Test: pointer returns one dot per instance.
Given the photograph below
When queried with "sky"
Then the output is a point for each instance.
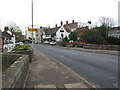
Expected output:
(51, 12)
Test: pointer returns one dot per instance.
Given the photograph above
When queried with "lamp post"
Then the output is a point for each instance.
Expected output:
(32, 23)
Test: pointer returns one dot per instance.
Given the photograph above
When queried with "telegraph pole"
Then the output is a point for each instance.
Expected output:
(32, 23)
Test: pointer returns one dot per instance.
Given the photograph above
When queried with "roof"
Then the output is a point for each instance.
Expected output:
(81, 29)
(51, 31)
(70, 26)
(6, 35)
(115, 28)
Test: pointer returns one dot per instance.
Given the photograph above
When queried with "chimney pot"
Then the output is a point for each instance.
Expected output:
(89, 22)
(40, 27)
(66, 22)
(73, 21)
(56, 25)
(49, 28)
(61, 23)
(6, 28)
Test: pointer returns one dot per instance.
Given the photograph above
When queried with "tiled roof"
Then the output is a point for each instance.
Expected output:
(51, 31)
(70, 26)
(81, 29)
(6, 34)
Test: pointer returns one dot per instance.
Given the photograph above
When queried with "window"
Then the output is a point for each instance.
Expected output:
(61, 30)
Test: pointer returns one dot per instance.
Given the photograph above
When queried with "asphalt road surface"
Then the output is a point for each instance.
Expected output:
(101, 70)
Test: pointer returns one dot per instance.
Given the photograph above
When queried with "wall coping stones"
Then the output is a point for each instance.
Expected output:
(11, 77)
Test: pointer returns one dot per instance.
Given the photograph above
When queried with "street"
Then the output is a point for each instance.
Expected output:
(101, 70)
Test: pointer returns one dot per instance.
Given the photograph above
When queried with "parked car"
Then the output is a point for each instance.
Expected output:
(46, 42)
(52, 43)
(26, 42)
(35, 42)
(19, 43)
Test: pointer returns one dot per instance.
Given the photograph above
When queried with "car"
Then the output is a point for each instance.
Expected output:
(35, 42)
(46, 42)
(19, 43)
(52, 43)
(26, 42)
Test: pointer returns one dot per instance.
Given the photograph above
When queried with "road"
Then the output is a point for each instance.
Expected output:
(101, 70)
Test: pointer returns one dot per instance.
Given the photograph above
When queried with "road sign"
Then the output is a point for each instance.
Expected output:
(32, 29)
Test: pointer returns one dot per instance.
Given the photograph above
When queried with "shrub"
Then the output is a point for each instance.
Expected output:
(73, 36)
(63, 43)
(113, 40)
(92, 36)
(21, 47)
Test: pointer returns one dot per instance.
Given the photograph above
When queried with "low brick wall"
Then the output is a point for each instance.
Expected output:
(15, 75)
(102, 47)
(28, 52)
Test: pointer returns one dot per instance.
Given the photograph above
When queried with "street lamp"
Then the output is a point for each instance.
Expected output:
(32, 23)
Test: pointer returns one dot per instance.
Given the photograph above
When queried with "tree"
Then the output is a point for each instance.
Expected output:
(13, 27)
(106, 21)
(103, 30)
(64, 42)
(73, 36)
(18, 36)
(113, 40)
(92, 36)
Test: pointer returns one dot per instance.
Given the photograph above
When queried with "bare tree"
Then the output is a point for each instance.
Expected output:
(106, 21)
(13, 27)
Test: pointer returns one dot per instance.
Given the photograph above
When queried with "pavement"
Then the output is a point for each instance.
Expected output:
(47, 72)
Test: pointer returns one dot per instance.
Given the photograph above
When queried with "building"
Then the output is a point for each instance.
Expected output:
(80, 31)
(71, 26)
(1, 41)
(114, 31)
(61, 33)
(29, 35)
(39, 33)
(54, 34)
(8, 40)
(119, 13)
(88, 24)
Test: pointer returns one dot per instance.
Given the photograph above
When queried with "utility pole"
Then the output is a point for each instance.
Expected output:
(32, 23)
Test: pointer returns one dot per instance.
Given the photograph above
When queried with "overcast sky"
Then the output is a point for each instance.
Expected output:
(51, 12)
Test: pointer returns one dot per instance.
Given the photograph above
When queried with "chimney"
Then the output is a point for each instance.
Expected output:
(73, 21)
(49, 28)
(56, 25)
(67, 22)
(89, 22)
(61, 23)
(40, 27)
(6, 28)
